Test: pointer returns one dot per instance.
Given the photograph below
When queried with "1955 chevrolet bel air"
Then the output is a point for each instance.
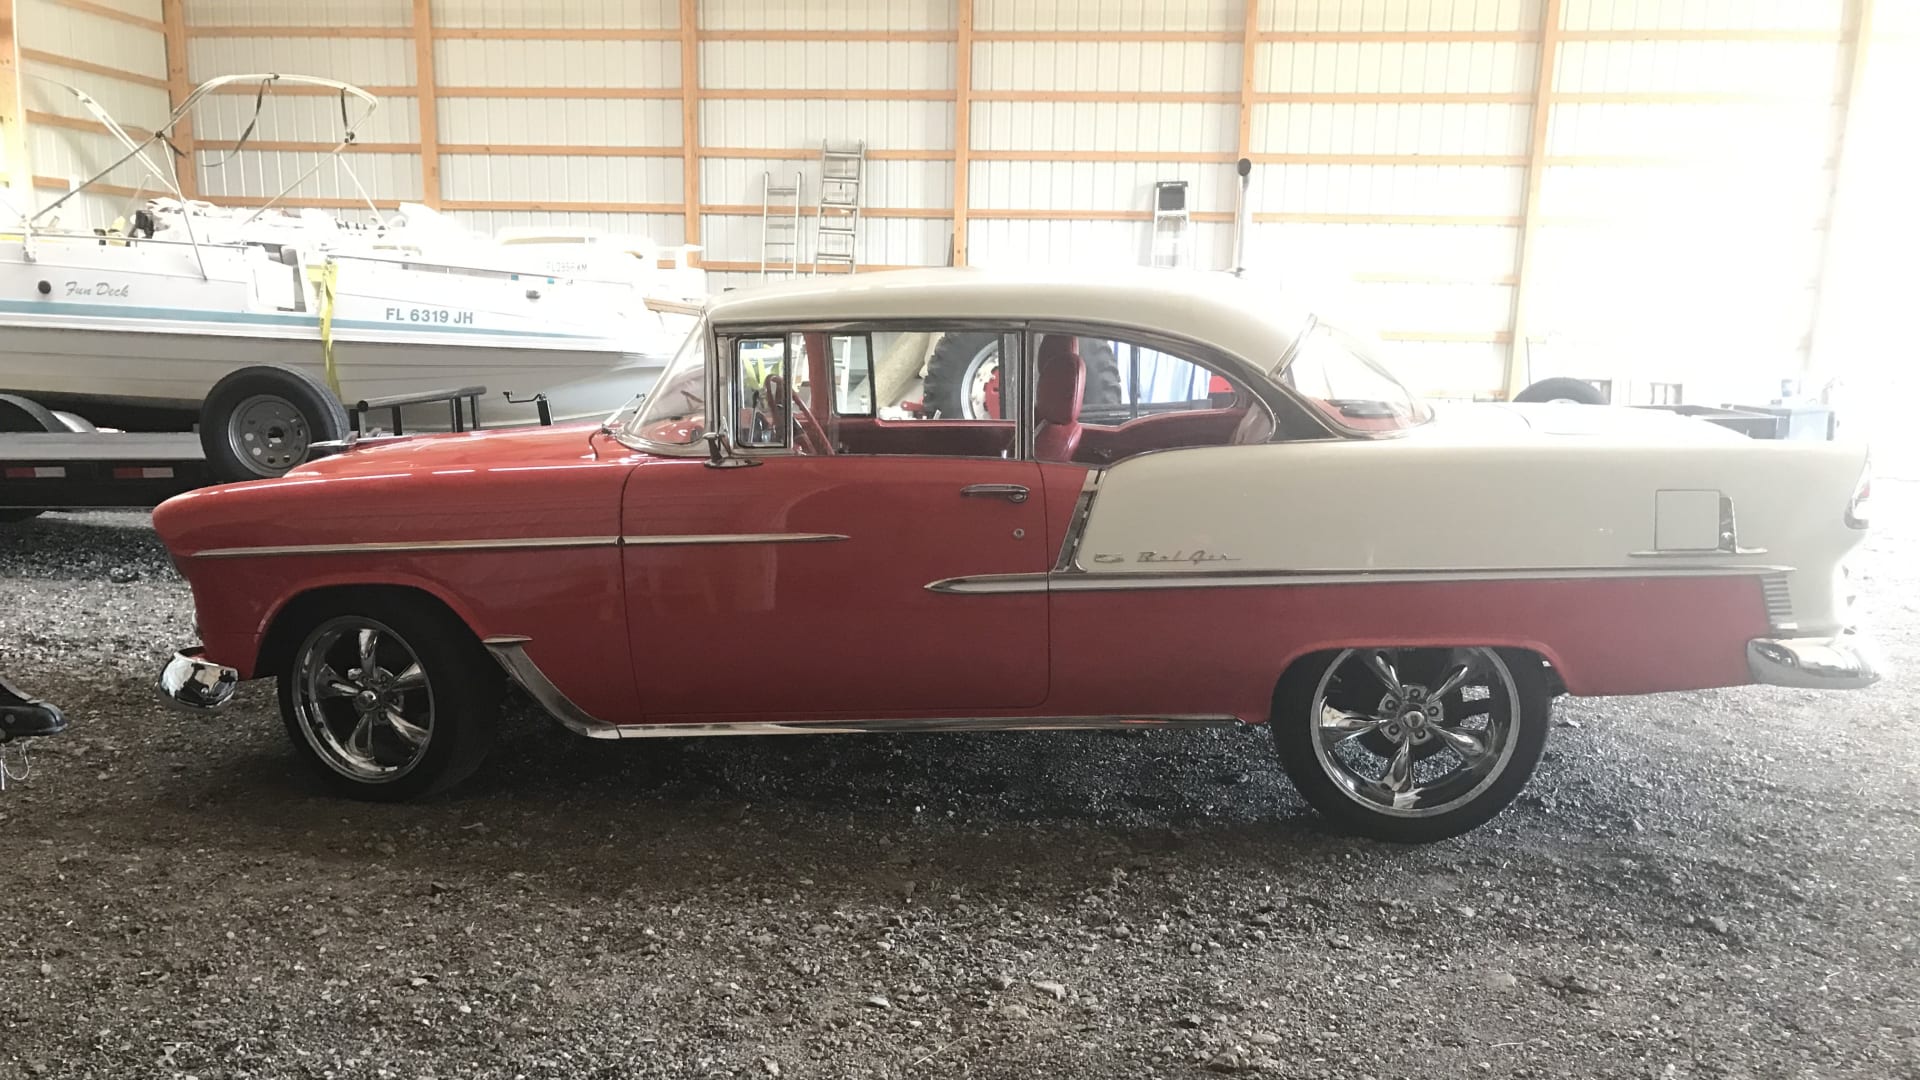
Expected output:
(1141, 499)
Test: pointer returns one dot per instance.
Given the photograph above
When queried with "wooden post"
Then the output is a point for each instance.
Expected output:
(962, 124)
(1858, 38)
(1249, 69)
(173, 17)
(690, 122)
(424, 86)
(13, 115)
(1543, 96)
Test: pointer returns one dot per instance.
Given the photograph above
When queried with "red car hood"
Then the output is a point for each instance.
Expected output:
(470, 450)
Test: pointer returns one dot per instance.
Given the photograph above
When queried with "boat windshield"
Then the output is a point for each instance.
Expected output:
(1355, 390)
(675, 413)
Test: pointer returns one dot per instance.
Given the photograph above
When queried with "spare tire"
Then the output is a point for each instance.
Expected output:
(1577, 391)
(20, 414)
(259, 422)
(958, 359)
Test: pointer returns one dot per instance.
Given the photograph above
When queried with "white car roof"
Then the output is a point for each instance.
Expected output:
(1234, 315)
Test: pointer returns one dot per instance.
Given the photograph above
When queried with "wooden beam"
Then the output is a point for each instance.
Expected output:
(823, 94)
(173, 16)
(1203, 157)
(13, 116)
(298, 203)
(1164, 96)
(600, 92)
(204, 31)
(938, 213)
(287, 146)
(1306, 217)
(61, 183)
(1249, 74)
(1102, 36)
(1395, 36)
(1390, 159)
(690, 93)
(1415, 98)
(75, 123)
(531, 33)
(560, 150)
(105, 12)
(827, 35)
(103, 70)
(1858, 40)
(429, 108)
(962, 126)
(252, 88)
(1515, 377)
(562, 207)
(801, 153)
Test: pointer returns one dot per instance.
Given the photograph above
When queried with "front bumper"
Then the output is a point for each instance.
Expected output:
(1845, 661)
(189, 682)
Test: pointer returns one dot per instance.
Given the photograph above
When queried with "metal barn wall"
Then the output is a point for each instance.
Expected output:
(114, 51)
(1589, 178)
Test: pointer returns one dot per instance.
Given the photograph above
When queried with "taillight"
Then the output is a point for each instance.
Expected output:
(1857, 506)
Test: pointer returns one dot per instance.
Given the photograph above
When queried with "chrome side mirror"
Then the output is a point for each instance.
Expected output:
(720, 453)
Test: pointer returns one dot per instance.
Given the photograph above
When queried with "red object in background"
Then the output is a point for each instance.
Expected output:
(992, 404)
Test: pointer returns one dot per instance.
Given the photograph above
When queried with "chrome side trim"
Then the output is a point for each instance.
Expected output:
(1779, 598)
(511, 544)
(392, 546)
(510, 651)
(731, 538)
(1083, 581)
(1845, 661)
(920, 724)
(1069, 561)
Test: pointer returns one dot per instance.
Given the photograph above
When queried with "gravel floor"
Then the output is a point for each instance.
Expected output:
(1697, 885)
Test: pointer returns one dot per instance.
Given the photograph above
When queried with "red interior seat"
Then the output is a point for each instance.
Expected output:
(1058, 389)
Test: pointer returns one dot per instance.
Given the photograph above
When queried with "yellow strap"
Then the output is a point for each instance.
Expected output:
(323, 277)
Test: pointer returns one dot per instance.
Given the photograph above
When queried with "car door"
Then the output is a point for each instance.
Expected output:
(797, 585)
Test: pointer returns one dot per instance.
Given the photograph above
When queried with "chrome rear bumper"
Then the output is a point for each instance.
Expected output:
(188, 682)
(1845, 661)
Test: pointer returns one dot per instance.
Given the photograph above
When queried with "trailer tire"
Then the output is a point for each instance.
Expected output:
(1577, 391)
(20, 414)
(259, 422)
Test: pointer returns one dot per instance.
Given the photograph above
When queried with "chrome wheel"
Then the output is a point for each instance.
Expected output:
(362, 700)
(1415, 732)
(268, 434)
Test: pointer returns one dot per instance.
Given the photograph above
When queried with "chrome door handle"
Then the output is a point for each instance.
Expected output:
(1013, 493)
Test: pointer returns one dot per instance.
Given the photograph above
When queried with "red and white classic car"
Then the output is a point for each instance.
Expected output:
(1238, 518)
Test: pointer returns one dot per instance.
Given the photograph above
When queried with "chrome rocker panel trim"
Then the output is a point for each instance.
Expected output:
(1096, 581)
(1845, 661)
(196, 685)
(511, 652)
(390, 547)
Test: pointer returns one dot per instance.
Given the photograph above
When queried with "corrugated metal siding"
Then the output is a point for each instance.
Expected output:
(1683, 215)
(71, 154)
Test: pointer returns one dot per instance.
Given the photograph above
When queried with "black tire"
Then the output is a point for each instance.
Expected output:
(20, 414)
(277, 413)
(1295, 730)
(944, 393)
(1578, 391)
(462, 688)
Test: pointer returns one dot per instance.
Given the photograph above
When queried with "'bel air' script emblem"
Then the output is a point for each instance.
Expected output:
(1190, 558)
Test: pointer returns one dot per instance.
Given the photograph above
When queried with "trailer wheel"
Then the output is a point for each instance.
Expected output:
(259, 422)
(22, 414)
(1577, 391)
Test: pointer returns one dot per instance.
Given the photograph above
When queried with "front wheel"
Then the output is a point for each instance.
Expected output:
(389, 697)
(1412, 745)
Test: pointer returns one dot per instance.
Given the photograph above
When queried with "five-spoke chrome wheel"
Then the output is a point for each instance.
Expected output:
(362, 699)
(1418, 741)
(1412, 743)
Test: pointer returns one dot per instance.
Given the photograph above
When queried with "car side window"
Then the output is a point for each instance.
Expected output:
(913, 391)
(760, 392)
(1133, 398)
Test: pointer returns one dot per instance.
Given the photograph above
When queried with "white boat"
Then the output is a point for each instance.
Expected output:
(154, 314)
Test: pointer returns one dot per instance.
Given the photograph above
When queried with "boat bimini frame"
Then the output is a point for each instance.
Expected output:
(170, 177)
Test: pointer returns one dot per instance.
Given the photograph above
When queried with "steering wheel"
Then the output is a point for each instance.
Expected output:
(807, 432)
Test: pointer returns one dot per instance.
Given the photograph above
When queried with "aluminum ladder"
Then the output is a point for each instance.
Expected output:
(1170, 223)
(836, 226)
(780, 225)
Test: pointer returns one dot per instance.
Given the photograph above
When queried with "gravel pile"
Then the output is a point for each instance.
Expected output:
(1710, 885)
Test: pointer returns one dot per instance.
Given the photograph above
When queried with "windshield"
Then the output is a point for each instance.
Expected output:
(1353, 389)
(675, 412)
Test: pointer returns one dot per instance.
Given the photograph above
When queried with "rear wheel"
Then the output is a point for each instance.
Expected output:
(1412, 745)
(389, 697)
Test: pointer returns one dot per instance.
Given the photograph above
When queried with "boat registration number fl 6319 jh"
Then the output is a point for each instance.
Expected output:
(430, 315)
